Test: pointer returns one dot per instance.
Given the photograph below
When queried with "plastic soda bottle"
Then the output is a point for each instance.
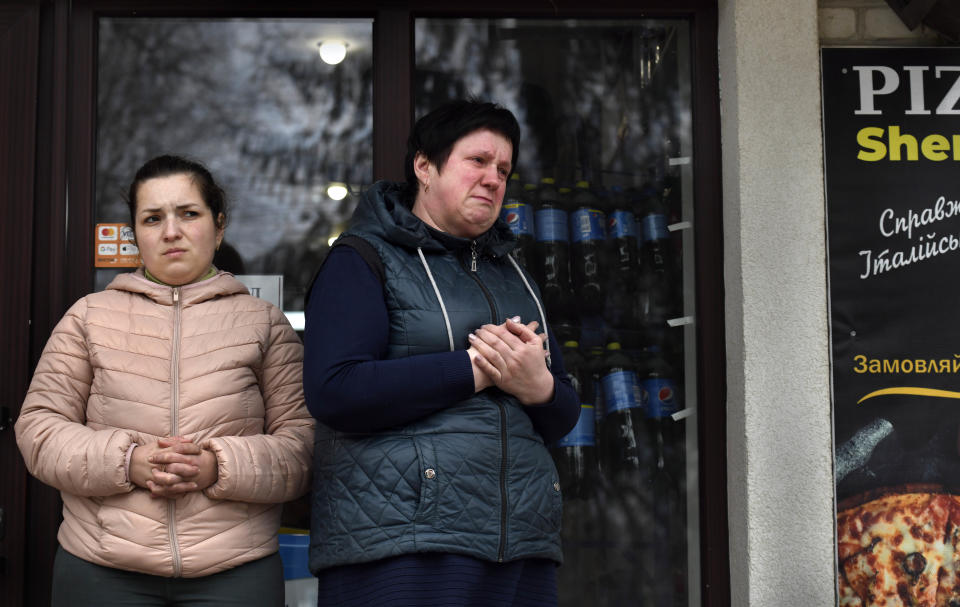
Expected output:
(553, 249)
(517, 212)
(576, 459)
(588, 238)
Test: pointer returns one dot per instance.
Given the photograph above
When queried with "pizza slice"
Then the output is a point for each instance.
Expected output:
(891, 549)
(948, 584)
(848, 598)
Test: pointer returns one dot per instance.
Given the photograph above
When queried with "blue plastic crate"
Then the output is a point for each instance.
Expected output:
(293, 553)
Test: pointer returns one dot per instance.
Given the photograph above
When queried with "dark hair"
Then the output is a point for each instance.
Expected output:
(167, 165)
(435, 134)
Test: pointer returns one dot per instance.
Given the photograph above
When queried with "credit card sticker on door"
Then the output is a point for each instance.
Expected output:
(114, 246)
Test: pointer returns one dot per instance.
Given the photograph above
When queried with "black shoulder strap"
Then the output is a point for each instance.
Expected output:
(366, 251)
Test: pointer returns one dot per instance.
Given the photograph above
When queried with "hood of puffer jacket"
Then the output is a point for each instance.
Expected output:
(219, 285)
(384, 211)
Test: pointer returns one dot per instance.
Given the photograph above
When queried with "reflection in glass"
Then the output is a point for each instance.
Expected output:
(602, 207)
(253, 101)
(597, 100)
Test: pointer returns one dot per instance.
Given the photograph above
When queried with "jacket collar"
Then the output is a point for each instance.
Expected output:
(384, 209)
(222, 283)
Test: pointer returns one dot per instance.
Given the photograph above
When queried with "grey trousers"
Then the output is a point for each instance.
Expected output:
(80, 583)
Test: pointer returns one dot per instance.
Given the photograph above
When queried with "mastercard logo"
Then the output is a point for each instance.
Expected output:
(108, 232)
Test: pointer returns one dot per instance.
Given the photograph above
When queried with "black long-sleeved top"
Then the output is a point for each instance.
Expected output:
(351, 388)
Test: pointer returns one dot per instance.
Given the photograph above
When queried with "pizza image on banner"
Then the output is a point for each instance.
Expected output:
(900, 549)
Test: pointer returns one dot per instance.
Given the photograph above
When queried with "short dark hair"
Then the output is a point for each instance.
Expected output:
(167, 165)
(435, 134)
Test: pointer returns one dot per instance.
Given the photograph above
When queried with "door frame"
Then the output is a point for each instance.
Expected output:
(55, 191)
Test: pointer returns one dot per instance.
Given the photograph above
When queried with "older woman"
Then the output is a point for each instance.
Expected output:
(168, 410)
(433, 485)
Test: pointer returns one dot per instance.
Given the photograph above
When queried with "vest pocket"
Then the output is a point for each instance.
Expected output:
(377, 481)
(461, 480)
(540, 508)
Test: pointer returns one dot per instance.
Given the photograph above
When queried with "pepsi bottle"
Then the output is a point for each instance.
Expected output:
(625, 463)
(656, 249)
(594, 371)
(659, 388)
(622, 234)
(517, 212)
(622, 432)
(576, 459)
(576, 453)
(623, 267)
(666, 476)
(552, 250)
(587, 240)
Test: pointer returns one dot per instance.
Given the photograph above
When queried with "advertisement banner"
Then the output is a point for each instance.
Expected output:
(891, 123)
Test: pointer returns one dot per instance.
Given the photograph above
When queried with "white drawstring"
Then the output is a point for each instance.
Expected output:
(543, 317)
(526, 283)
(443, 308)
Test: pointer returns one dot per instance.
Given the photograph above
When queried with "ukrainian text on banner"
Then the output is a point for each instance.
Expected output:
(892, 177)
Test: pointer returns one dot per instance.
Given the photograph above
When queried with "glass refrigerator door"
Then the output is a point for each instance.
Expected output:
(602, 206)
(285, 128)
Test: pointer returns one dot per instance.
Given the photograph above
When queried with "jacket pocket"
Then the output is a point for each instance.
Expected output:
(537, 501)
(461, 478)
(375, 482)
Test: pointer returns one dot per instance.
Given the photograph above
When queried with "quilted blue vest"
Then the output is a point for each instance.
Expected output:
(473, 479)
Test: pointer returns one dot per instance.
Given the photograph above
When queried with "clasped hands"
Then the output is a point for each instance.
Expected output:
(172, 467)
(511, 356)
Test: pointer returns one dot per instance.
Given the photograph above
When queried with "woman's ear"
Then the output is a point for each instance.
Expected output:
(421, 167)
(221, 224)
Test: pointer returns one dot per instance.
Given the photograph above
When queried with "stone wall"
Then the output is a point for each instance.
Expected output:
(779, 443)
(869, 23)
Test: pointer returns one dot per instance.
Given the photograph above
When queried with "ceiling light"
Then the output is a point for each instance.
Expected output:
(332, 51)
(337, 191)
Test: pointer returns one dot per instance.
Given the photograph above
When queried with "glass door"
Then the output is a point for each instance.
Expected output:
(602, 205)
(285, 126)
(121, 82)
(602, 202)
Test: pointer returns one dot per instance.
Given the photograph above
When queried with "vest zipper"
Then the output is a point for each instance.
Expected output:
(503, 414)
(174, 427)
(473, 274)
(503, 482)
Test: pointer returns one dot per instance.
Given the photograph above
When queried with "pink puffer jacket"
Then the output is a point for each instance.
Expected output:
(140, 361)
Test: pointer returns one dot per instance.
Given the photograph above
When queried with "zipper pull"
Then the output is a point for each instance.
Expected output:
(473, 256)
(176, 295)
